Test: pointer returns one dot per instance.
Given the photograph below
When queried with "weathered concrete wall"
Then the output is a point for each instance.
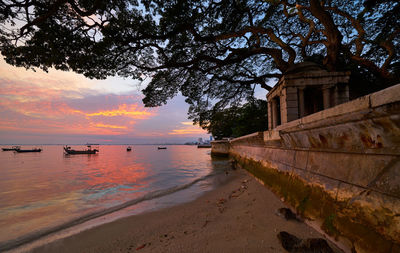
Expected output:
(255, 139)
(220, 148)
(339, 167)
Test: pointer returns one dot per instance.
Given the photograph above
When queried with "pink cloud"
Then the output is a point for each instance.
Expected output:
(30, 108)
(60, 103)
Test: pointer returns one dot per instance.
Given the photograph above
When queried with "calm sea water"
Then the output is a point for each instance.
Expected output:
(49, 191)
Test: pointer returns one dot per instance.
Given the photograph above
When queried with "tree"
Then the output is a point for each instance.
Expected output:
(214, 52)
(238, 121)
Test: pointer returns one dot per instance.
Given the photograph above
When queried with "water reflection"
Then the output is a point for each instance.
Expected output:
(42, 190)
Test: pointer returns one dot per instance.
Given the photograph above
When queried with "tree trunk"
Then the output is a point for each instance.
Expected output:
(333, 36)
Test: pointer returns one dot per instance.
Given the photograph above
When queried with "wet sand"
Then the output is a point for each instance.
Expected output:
(239, 216)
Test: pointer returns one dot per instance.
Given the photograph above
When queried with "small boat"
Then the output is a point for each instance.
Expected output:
(162, 147)
(68, 150)
(28, 150)
(13, 148)
(129, 148)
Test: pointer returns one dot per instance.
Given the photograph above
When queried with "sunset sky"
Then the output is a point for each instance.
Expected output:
(66, 108)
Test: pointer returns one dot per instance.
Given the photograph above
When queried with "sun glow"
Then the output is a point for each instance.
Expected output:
(188, 129)
(131, 111)
(110, 126)
(187, 123)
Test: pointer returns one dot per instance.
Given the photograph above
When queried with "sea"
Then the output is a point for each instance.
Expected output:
(49, 195)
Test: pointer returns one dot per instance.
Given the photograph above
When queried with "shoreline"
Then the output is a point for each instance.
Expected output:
(238, 216)
(150, 202)
(126, 209)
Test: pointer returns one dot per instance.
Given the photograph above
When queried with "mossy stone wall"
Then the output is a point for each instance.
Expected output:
(356, 222)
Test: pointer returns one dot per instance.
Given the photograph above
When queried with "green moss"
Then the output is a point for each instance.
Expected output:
(313, 202)
(362, 236)
(329, 225)
(303, 205)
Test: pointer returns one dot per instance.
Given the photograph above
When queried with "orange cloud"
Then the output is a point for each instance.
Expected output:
(187, 123)
(131, 111)
(110, 126)
(188, 129)
(62, 128)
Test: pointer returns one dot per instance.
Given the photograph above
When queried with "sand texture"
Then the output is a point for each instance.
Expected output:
(239, 216)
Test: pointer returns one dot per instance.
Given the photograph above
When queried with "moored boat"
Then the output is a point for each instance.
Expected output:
(162, 147)
(28, 150)
(13, 148)
(68, 150)
(129, 148)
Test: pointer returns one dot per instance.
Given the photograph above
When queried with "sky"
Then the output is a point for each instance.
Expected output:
(66, 108)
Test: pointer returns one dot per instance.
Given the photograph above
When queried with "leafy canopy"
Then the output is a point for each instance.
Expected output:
(238, 121)
(214, 52)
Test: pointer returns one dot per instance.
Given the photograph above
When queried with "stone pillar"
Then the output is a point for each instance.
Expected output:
(291, 106)
(336, 96)
(326, 96)
(343, 94)
(302, 110)
(269, 115)
(283, 106)
(274, 113)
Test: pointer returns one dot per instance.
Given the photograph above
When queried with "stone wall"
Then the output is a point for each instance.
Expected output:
(339, 168)
(220, 148)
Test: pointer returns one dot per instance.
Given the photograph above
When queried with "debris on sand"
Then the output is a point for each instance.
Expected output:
(293, 244)
(141, 247)
(288, 214)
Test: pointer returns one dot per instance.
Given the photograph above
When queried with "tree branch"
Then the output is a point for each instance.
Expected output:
(331, 32)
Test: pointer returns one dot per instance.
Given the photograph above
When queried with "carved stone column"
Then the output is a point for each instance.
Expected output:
(326, 96)
(336, 96)
(274, 113)
(270, 118)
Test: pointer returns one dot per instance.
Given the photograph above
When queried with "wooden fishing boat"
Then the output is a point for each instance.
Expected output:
(68, 150)
(13, 148)
(28, 150)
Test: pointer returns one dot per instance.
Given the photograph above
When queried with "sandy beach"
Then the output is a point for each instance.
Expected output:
(239, 216)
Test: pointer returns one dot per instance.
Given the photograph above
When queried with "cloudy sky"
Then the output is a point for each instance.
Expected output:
(66, 108)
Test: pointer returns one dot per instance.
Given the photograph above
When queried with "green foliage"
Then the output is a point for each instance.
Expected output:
(238, 121)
